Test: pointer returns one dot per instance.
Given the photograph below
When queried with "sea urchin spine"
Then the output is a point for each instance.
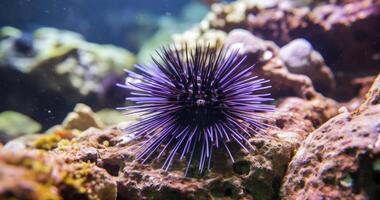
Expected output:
(194, 100)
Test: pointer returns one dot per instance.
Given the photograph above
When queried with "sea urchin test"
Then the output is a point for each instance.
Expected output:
(193, 101)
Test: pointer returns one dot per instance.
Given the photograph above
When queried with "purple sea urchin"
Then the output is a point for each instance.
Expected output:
(194, 100)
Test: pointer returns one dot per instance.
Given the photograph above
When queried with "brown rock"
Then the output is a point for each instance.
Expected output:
(340, 159)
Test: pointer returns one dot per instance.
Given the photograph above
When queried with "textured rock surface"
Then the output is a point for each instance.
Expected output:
(340, 159)
(265, 54)
(255, 175)
(34, 174)
(354, 55)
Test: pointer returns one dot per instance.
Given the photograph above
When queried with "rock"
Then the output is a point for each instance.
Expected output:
(14, 124)
(256, 48)
(296, 117)
(82, 118)
(339, 159)
(60, 69)
(77, 121)
(296, 55)
(136, 181)
(254, 175)
(354, 22)
(362, 86)
(35, 174)
(300, 58)
(230, 16)
(265, 55)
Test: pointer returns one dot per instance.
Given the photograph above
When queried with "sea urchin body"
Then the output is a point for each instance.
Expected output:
(192, 101)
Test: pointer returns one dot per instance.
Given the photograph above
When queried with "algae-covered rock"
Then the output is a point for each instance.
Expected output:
(34, 166)
(111, 117)
(53, 44)
(76, 64)
(54, 69)
(14, 124)
(80, 119)
(35, 175)
(50, 140)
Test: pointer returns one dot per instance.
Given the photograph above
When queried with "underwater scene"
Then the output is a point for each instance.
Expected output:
(189, 99)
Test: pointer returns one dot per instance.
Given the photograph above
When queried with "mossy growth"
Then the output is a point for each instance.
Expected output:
(77, 176)
(66, 179)
(50, 141)
(37, 166)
